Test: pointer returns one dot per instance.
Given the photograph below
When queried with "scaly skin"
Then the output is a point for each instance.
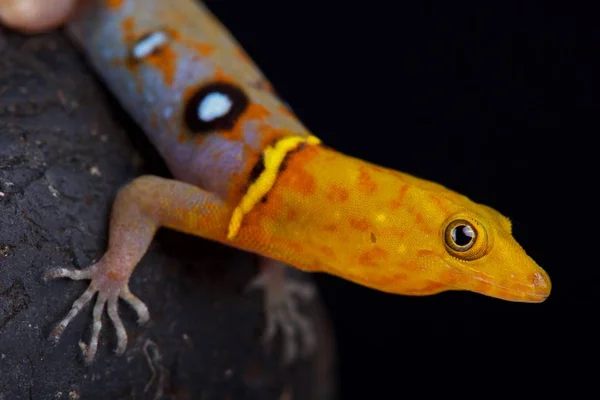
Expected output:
(263, 183)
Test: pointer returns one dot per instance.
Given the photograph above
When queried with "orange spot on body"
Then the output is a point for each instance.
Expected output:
(242, 55)
(285, 111)
(396, 203)
(114, 4)
(204, 49)
(127, 27)
(165, 61)
(222, 76)
(366, 184)
(362, 224)
(337, 193)
(372, 257)
(254, 112)
(262, 84)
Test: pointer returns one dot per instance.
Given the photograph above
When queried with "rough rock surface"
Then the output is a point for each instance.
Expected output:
(65, 149)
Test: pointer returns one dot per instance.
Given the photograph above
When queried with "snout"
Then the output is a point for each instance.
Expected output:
(532, 288)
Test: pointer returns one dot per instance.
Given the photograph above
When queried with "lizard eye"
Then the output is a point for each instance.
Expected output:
(215, 106)
(462, 235)
(466, 240)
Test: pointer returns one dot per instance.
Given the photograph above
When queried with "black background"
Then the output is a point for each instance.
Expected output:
(493, 101)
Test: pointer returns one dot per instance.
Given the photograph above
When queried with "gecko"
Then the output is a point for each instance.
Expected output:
(247, 173)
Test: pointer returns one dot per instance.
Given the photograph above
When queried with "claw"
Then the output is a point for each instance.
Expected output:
(77, 306)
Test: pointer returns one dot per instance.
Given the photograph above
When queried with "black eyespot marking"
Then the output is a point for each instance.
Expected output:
(216, 106)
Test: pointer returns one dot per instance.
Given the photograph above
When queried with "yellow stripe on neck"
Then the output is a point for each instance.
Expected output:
(273, 156)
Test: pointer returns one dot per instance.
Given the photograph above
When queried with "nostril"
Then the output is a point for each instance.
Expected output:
(539, 281)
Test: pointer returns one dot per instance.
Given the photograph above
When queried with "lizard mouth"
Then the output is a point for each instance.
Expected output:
(540, 288)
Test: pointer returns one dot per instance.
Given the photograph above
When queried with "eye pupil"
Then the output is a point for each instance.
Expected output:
(463, 235)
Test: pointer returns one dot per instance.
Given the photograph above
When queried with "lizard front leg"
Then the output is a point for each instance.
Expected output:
(281, 295)
(139, 209)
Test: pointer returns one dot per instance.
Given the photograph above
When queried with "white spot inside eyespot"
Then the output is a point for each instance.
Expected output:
(214, 105)
(149, 44)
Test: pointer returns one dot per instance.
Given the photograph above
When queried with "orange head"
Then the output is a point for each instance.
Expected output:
(437, 240)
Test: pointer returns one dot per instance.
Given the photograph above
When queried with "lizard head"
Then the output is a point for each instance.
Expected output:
(458, 244)
(476, 244)
(427, 239)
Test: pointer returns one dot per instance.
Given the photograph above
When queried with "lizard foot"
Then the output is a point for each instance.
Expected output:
(110, 287)
(281, 295)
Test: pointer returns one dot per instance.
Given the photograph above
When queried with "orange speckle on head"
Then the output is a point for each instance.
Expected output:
(366, 184)
(397, 232)
(409, 266)
(422, 223)
(337, 194)
(328, 251)
(114, 4)
(330, 228)
(362, 224)
(396, 203)
(372, 257)
(300, 181)
(424, 253)
(442, 206)
(291, 215)
(294, 246)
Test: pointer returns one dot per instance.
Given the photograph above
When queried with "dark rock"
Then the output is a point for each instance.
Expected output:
(63, 156)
